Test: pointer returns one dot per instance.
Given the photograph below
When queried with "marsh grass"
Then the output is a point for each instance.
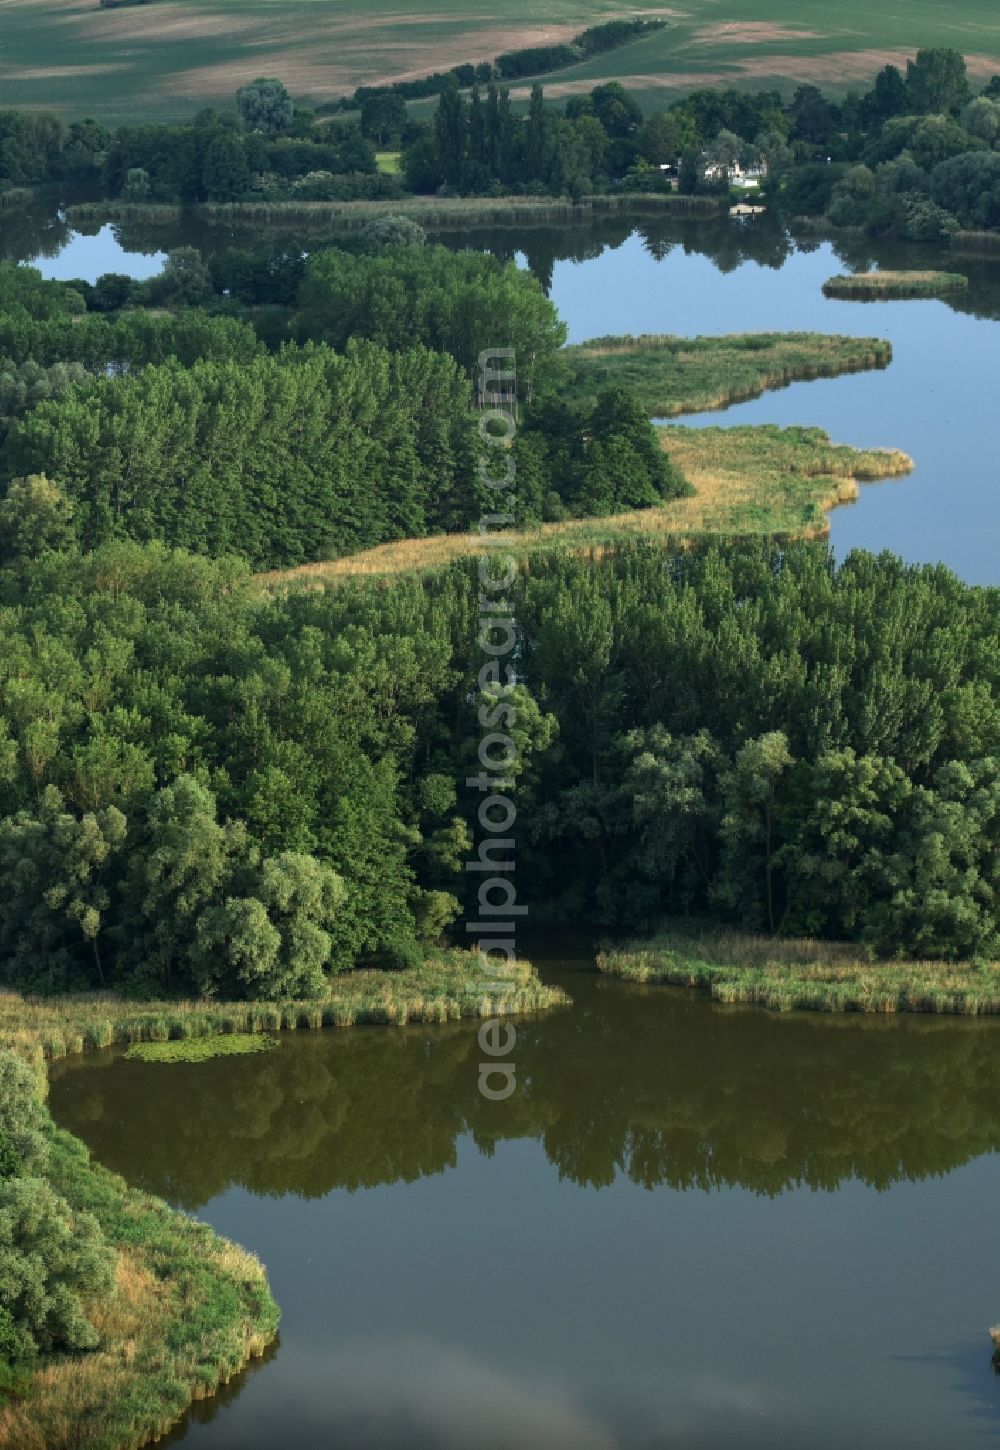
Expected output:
(448, 986)
(747, 481)
(444, 211)
(191, 1308)
(886, 286)
(672, 375)
(200, 1049)
(787, 974)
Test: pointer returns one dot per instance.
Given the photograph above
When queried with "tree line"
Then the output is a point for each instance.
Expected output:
(914, 156)
(203, 788)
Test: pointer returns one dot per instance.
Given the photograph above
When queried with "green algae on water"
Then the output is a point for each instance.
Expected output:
(200, 1049)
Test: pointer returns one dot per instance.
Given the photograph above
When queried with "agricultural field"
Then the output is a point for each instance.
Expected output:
(169, 58)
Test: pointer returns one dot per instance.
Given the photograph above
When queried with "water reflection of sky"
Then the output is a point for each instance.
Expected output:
(90, 257)
(937, 401)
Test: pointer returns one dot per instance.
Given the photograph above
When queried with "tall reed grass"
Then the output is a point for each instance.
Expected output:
(448, 986)
(800, 974)
(674, 375)
(886, 286)
(441, 211)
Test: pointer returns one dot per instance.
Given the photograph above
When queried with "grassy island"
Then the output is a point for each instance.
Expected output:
(787, 974)
(750, 481)
(890, 286)
(672, 375)
(190, 1309)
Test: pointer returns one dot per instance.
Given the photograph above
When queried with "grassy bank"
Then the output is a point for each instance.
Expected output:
(192, 1309)
(788, 974)
(449, 986)
(746, 481)
(887, 286)
(429, 211)
(672, 375)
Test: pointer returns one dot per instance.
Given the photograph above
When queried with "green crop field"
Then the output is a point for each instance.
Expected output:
(171, 57)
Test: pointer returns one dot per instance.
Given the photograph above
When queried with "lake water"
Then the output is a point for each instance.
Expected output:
(937, 401)
(691, 1225)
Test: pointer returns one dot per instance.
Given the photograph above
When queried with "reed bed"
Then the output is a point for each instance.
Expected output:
(672, 375)
(747, 481)
(450, 985)
(888, 286)
(125, 211)
(193, 1309)
(801, 974)
(442, 211)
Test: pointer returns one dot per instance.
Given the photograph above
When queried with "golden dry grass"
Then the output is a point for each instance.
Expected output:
(763, 480)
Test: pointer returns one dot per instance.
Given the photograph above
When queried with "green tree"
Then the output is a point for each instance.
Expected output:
(749, 829)
(451, 134)
(383, 116)
(265, 106)
(50, 1259)
(35, 516)
(225, 171)
(937, 83)
(56, 878)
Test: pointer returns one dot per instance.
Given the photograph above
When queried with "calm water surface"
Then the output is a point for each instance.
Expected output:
(937, 401)
(691, 1225)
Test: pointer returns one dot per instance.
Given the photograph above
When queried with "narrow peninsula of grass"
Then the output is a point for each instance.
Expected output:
(887, 286)
(747, 481)
(200, 1049)
(672, 375)
(786, 974)
(191, 1308)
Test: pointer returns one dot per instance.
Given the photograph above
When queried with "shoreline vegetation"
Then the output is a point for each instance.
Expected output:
(890, 286)
(428, 211)
(191, 1309)
(755, 480)
(674, 375)
(800, 974)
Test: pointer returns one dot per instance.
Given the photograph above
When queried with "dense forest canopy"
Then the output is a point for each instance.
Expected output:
(182, 427)
(194, 775)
